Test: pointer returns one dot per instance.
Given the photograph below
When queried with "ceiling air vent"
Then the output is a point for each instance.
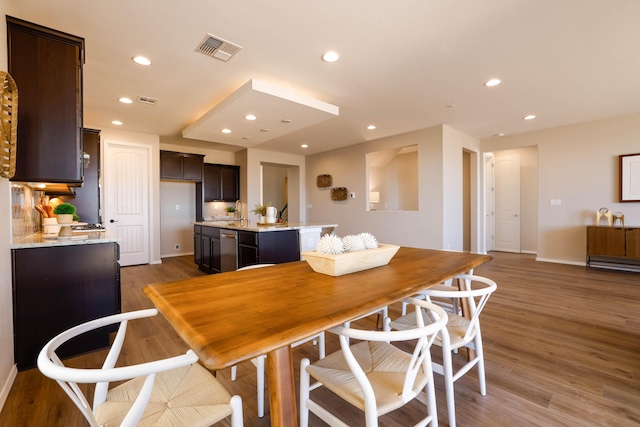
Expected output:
(147, 100)
(217, 48)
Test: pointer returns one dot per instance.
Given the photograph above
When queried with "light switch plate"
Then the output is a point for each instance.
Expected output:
(555, 202)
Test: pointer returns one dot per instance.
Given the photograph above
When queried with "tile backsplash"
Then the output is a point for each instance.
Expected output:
(24, 216)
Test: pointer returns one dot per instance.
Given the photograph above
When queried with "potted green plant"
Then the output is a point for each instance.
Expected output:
(64, 213)
(231, 211)
(261, 211)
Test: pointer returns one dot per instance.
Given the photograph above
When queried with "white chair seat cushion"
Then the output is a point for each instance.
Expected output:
(456, 326)
(187, 396)
(385, 366)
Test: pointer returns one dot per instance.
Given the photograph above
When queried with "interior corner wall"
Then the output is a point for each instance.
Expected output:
(578, 165)
(296, 173)
(423, 228)
(455, 144)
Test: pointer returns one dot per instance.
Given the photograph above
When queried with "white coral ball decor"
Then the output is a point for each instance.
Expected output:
(368, 240)
(353, 243)
(330, 244)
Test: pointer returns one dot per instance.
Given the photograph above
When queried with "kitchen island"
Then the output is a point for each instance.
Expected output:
(221, 245)
(58, 284)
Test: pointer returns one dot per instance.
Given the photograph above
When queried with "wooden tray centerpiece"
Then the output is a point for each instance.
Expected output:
(350, 262)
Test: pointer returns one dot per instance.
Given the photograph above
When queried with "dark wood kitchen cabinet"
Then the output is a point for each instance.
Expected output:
(87, 197)
(56, 288)
(269, 247)
(47, 67)
(206, 243)
(181, 166)
(221, 183)
(614, 248)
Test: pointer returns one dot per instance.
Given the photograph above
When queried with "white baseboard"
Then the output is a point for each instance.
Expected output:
(562, 261)
(529, 252)
(174, 255)
(6, 388)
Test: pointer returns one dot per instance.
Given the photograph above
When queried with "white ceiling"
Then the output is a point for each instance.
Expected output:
(402, 62)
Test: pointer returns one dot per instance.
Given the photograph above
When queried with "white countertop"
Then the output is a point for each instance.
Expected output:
(41, 240)
(248, 225)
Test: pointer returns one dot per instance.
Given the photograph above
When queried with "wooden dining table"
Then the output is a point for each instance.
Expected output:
(231, 317)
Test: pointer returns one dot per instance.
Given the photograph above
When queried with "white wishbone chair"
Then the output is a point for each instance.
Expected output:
(374, 375)
(175, 391)
(461, 331)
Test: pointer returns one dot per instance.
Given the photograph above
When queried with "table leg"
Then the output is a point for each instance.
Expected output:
(282, 393)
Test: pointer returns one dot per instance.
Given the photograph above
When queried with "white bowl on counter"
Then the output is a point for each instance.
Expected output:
(50, 225)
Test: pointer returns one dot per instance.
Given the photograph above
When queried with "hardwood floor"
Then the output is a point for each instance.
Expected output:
(562, 348)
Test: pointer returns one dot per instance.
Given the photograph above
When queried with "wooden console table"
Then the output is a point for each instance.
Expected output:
(613, 248)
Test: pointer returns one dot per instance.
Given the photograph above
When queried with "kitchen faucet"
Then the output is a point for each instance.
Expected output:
(239, 209)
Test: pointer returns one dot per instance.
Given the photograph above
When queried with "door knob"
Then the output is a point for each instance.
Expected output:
(112, 221)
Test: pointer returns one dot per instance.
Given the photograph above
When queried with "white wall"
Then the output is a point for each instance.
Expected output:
(438, 221)
(176, 225)
(273, 183)
(577, 164)
(252, 158)
(177, 214)
(7, 366)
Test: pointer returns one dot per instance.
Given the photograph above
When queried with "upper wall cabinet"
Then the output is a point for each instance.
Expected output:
(47, 67)
(221, 183)
(181, 166)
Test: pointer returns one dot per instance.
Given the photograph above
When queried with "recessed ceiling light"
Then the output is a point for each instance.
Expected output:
(246, 137)
(264, 130)
(285, 121)
(529, 117)
(226, 130)
(250, 117)
(371, 127)
(451, 105)
(497, 135)
(493, 82)
(304, 146)
(116, 122)
(330, 56)
(125, 100)
(141, 60)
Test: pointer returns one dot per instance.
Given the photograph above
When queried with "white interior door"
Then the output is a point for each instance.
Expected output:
(126, 201)
(489, 205)
(507, 203)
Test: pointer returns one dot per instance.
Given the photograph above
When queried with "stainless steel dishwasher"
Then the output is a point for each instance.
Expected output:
(228, 250)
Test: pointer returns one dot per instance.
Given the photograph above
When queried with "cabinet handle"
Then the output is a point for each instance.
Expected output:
(112, 221)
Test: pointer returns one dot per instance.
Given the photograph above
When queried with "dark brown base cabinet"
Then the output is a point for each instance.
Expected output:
(56, 288)
(206, 243)
(272, 247)
(613, 248)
